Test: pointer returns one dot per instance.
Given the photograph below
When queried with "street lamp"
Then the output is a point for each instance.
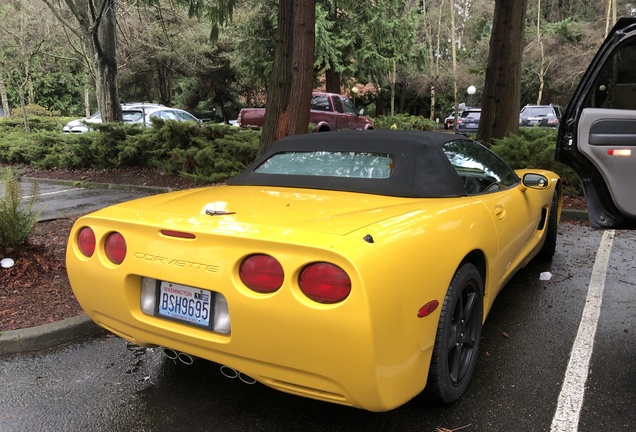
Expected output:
(354, 93)
(471, 91)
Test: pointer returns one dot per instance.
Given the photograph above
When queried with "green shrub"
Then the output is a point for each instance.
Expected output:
(534, 148)
(211, 152)
(16, 216)
(208, 153)
(404, 122)
(36, 123)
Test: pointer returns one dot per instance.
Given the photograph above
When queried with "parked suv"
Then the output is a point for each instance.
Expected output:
(468, 121)
(449, 121)
(541, 115)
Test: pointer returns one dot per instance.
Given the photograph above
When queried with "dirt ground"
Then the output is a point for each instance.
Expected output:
(36, 290)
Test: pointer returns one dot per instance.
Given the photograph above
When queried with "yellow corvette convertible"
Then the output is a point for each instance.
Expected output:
(349, 267)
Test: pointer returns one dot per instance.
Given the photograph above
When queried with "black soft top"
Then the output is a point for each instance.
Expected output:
(421, 169)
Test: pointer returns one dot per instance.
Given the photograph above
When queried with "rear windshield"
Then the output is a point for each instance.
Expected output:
(540, 112)
(330, 163)
(131, 116)
(471, 114)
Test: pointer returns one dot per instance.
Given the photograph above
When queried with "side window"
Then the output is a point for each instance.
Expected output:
(184, 116)
(168, 115)
(337, 104)
(320, 103)
(615, 86)
(481, 170)
(348, 106)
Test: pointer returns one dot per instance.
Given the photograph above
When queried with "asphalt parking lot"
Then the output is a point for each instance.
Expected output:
(56, 199)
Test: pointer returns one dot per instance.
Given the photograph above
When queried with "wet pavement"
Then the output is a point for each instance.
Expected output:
(57, 199)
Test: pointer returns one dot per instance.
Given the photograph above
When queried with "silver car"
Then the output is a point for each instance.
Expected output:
(134, 113)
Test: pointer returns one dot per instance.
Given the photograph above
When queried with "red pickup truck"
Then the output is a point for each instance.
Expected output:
(329, 112)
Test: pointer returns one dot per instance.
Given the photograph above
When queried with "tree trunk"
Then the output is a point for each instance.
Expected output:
(4, 98)
(432, 116)
(302, 65)
(542, 60)
(454, 59)
(87, 101)
(105, 48)
(332, 81)
(25, 117)
(501, 96)
(98, 32)
(164, 76)
(289, 92)
(393, 83)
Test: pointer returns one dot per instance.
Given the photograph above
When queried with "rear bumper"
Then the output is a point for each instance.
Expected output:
(351, 378)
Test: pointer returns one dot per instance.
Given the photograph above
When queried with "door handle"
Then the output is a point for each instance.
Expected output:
(500, 212)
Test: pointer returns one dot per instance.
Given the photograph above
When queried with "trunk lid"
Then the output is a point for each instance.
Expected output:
(245, 207)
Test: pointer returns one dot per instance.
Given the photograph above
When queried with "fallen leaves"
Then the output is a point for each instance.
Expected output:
(35, 290)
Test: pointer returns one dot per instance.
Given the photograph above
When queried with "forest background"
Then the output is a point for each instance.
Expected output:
(396, 54)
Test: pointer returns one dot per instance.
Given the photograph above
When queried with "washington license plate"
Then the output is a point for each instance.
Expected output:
(184, 303)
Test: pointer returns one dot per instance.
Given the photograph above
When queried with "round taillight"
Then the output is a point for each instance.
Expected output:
(115, 248)
(262, 273)
(86, 241)
(324, 283)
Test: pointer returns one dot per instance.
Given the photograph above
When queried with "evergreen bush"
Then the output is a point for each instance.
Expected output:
(16, 216)
(208, 153)
(404, 122)
(534, 148)
(212, 152)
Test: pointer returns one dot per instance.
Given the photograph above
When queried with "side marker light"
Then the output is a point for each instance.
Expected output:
(427, 309)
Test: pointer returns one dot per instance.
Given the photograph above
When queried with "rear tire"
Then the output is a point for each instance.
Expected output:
(458, 335)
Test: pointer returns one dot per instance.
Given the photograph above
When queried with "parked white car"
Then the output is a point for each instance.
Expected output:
(134, 113)
(82, 125)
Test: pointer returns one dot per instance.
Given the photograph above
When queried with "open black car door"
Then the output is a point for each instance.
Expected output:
(597, 137)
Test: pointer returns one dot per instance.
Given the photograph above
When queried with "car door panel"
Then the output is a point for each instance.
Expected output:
(598, 133)
(607, 138)
(515, 224)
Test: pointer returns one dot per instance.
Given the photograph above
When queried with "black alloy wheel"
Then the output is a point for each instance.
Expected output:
(458, 335)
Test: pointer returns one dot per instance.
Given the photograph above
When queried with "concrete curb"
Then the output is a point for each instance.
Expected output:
(568, 215)
(47, 335)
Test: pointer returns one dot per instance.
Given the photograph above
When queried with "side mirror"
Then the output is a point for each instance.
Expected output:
(361, 112)
(535, 181)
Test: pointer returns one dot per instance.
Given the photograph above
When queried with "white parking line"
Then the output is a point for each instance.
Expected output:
(52, 193)
(566, 418)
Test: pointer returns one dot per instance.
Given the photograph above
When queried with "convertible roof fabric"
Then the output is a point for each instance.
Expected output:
(421, 169)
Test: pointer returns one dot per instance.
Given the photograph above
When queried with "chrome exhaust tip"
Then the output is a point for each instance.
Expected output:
(186, 359)
(231, 373)
(170, 353)
(228, 372)
(246, 379)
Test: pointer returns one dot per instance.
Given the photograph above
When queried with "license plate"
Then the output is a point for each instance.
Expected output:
(184, 303)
